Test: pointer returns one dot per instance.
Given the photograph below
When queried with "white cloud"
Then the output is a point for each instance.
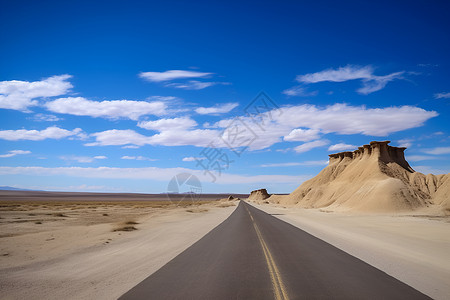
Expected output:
(377, 83)
(437, 150)
(82, 159)
(130, 147)
(191, 158)
(371, 83)
(431, 170)
(116, 137)
(20, 95)
(305, 163)
(45, 118)
(341, 74)
(299, 91)
(172, 75)
(150, 173)
(302, 135)
(114, 109)
(194, 84)
(442, 95)
(217, 109)
(342, 147)
(137, 158)
(338, 118)
(39, 135)
(14, 153)
(405, 143)
(181, 123)
(311, 145)
(346, 119)
(420, 157)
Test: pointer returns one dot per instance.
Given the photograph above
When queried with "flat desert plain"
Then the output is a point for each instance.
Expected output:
(95, 246)
(99, 246)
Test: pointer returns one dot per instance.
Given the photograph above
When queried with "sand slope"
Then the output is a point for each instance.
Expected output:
(374, 178)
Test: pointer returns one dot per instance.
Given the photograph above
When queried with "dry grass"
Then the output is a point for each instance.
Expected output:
(197, 210)
(125, 228)
(225, 204)
(60, 215)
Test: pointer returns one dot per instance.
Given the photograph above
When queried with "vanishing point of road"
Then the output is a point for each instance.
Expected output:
(253, 255)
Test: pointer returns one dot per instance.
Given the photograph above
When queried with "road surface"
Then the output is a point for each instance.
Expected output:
(253, 255)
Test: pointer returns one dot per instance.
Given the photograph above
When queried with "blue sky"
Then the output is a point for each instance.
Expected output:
(122, 96)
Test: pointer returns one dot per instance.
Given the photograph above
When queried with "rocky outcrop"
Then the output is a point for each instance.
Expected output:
(258, 195)
(231, 198)
(378, 150)
(374, 178)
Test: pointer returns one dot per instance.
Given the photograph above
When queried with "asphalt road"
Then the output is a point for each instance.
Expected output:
(253, 255)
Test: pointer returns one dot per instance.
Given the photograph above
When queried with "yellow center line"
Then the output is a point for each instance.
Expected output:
(278, 286)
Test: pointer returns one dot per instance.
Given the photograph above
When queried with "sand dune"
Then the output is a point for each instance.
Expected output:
(374, 178)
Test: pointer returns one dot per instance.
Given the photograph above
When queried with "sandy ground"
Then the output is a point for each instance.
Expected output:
(57, 250)
(413, 249)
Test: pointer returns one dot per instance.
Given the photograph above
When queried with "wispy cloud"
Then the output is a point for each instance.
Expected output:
(442, 95)
(191, 158)
(181, 123)
(437, 150)
(14, 153)
(217, 109)
(311, 145)
(20, 95)
(292, 164)
(138, 158)
(405, 143)
(341, 74)
(370, 82)
(302, 135)
(172, 75)
(420, 157)
(299, 91)
(39, 135)
(45, 118)
(82, 159)
(342, 147)
(194, 84)
(113, 109)
(431, 170)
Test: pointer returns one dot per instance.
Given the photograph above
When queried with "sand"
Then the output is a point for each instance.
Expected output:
(76, 254)
(413, 249)
(374, 178)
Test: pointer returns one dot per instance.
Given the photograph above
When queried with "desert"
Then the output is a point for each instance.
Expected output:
(217, 150)
(78, 246)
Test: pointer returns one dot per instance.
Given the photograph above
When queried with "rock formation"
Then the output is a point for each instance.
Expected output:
(258, 195)
(373, 178)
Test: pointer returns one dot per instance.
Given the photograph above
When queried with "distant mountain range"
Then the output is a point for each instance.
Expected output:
(10, 188)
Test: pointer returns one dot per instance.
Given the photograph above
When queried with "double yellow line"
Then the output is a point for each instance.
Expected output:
(277, 283)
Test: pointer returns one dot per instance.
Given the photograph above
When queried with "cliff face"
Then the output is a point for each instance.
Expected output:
(259, 195)
(375, 150)
(373, 178)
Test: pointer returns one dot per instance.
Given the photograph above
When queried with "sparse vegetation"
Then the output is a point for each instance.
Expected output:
(131, 223)
(197, 210)
(60, 215)
(226, 204)
(125, 228)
